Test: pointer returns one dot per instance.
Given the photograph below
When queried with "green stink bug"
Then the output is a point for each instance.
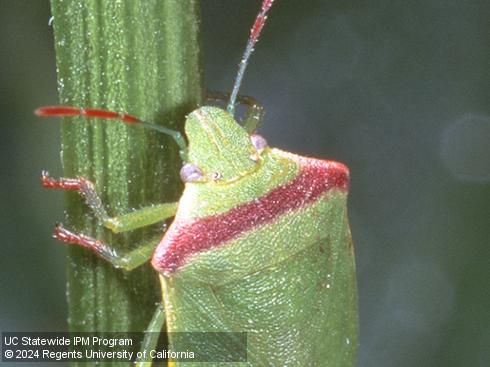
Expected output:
(260, 241)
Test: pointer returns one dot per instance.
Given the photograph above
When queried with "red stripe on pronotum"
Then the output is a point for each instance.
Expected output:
(186, 238)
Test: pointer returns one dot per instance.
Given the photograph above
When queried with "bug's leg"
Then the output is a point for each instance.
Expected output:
(152, 334)
(127, 261)
(126, 222)
(255, 111)
(216, 96)
(141, 217)
(254, 115)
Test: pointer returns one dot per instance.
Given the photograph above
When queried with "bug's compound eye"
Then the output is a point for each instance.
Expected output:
(216, 176)
(191, 173)
(259, 142)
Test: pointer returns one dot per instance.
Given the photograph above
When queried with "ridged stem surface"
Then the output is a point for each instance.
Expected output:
(142, 57)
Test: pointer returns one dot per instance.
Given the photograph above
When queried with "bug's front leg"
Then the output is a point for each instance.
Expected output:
(254, 115)
(136, 219)
(255, 111)
(122, 223)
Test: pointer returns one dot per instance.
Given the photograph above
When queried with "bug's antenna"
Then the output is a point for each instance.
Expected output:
(67, 111)
(252, 40)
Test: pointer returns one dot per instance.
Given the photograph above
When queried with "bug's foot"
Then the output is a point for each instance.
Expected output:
(64, 235)
(99, 247)
(79, 184)
(128, 261)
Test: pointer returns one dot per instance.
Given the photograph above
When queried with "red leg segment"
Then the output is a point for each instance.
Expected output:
(128, 261)
(85, 187)
(99, 247)
(62, 183)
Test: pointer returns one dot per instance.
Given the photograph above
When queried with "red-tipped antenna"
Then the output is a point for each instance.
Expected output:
(67, 111)
(63, 111)
(252, 40)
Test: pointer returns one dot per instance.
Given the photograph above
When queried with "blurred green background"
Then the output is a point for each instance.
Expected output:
(397, 90)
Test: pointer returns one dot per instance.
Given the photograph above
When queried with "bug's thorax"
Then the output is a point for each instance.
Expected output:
(210, 216)
(201, 199)
(218, 146)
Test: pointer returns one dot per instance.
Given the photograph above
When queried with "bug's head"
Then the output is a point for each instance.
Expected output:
(219, 148)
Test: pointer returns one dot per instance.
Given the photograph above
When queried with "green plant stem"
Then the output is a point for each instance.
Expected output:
(141, 57)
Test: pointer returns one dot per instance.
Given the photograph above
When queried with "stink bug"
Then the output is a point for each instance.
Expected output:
(260, 241)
